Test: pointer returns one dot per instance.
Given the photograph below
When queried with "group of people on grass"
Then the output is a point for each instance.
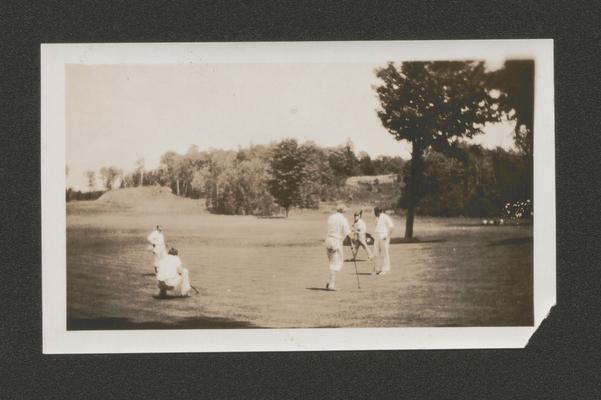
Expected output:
(339, 230)
(170, 273)
(172, 277)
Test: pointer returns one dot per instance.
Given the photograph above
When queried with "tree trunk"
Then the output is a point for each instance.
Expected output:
(416, 155)
(287, 209)
(466, 186)
(142, 178)
(177, 186)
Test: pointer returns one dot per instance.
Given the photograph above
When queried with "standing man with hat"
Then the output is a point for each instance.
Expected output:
(157, 245)
(338, 230)
(383, 233)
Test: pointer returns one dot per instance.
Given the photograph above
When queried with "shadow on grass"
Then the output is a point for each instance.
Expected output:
(292, 244)
(319, 289)
(399, 240)
(491, 225)
(512, 241)
(169, 297)
(149, 274)
(119, 323)
(357, 260)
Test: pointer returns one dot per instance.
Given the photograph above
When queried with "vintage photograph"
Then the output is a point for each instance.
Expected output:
(259, 195)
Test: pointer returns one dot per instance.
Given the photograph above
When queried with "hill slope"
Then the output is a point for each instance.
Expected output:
(148, 198)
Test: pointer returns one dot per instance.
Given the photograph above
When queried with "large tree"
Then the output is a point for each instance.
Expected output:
(286, 168)
(316, 175)
(432, 105)
(286, 172)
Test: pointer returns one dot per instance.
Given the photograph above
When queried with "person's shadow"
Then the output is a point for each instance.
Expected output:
(169, 297)
(400, 240)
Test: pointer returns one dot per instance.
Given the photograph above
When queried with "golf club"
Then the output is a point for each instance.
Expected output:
(356, 272)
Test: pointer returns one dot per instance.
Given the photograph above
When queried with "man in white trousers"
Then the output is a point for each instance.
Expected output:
(172, 276)
(157, 245)
(338, 230)
(382, 235)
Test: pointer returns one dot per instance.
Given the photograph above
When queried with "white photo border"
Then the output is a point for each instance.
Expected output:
(56, 338)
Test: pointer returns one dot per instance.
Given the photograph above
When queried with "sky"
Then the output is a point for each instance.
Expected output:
(117, 114)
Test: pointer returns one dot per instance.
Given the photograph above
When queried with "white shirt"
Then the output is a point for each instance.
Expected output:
(383, 225)
(338, 227)
(156, 238)
(169, 267)
(360, 227)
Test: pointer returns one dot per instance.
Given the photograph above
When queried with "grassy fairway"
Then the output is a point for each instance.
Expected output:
(254, 272)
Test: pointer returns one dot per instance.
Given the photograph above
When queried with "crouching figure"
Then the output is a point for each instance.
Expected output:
(172, 276)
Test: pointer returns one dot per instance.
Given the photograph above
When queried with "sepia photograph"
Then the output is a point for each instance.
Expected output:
(297, 189)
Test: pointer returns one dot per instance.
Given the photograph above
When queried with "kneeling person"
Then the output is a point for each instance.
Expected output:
(172, 276)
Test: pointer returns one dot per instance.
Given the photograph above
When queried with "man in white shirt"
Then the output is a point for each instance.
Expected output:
(157, 245)
(172, 276)
(383, 233)
(360, 232)
(338, 230)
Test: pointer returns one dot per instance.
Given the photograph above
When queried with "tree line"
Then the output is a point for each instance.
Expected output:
(254, 180)
(479, 184)
(262, 179)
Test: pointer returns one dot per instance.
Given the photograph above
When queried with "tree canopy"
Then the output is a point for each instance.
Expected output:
(516, 83)
(433, 105)
(287, 170)
(109, 176)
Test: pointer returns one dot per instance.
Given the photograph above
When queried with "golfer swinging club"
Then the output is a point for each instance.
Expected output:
(360, 233)
(338, 230)
(157, 245)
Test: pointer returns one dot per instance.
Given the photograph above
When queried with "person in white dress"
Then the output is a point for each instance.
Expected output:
(157, 245)
(382, 235)
(360, 233)
(338, 230)
(172, 276)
